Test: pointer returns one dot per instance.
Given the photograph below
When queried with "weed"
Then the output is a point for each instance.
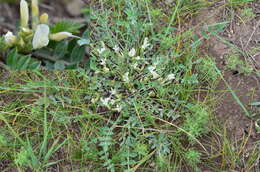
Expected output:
(129, 106)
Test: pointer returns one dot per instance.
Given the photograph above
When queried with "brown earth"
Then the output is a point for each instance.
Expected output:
(246, 87)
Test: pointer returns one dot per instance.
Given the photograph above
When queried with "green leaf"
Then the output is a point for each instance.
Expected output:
(77, 54)
(11, 58)
(255, 104)
(60, 50)
(66, 26)
(59, 65)
(18, 62)
(23, 62)
(82, 42)
(204, 34)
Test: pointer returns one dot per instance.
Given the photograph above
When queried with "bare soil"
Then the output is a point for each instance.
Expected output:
(245, 36)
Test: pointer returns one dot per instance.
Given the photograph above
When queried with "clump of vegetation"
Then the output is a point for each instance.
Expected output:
(235, 63)
(129, 106)
(247, 14)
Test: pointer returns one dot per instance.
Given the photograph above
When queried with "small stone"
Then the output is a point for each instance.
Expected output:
(74, 7)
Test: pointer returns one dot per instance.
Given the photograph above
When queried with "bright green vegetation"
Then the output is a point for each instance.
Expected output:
(131, 106)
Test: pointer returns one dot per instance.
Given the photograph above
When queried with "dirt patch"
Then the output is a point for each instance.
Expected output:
(245, 36)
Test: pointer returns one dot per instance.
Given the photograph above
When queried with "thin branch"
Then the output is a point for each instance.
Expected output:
(252, 34)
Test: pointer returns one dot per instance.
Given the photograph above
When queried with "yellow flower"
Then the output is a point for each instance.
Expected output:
(24, 13)
(35, 13)
(44, 18)
(61, 36)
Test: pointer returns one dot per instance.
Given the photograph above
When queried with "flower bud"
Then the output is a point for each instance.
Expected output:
(24, 13)
(10, 39)
(35, 13)
(44, 18)
(61, 36)
(41, 36)
(21, 42)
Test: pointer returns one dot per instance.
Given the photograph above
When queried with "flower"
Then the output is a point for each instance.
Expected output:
(113, 92)
(35, 13)
(116, 48)
(151, 70)
(61, 36)
(170, 76)
(103, 62)
(44, 18)
(118, 108)
(137, 58)
(101, 50)
(105, 69)
(10, 38)
(41, 36)
(145, 44)
(132, 52)
(126, 77)
(105, 101)
(24, 13)
(135, 65)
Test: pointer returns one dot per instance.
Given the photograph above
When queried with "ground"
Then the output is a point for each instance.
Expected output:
(231, 97)
(245, 86)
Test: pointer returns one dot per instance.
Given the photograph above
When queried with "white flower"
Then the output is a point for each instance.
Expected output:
(41, 36)
(24, 13)
(153, 72)
(101, 50)
(135, 65)
(116, 48)
(151, 68)
(105, 101)
(105, 69)
(126, 77)
(118, 108)
(137, 58)
(132, 52)
(113, 91)
(10, 38)
(103, 62)
(112, 101)
(171, 77)
(145, 44)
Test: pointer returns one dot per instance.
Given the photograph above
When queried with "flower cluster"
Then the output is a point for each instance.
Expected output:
(129, 72)
(39, 35)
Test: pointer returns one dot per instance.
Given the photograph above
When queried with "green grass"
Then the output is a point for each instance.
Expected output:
(132, 108)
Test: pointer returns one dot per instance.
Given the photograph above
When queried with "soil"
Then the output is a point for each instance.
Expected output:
(246, 87)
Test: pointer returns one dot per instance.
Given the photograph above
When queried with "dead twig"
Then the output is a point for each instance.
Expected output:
(252, 34)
